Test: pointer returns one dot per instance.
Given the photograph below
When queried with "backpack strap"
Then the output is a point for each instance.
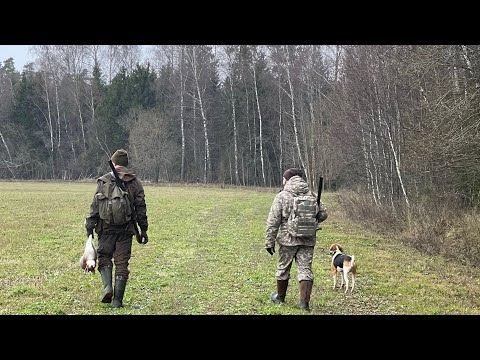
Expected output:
(128, 186)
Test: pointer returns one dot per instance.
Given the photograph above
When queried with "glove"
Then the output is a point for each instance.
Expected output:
(321, 216)
(271, 250)
(143, 237)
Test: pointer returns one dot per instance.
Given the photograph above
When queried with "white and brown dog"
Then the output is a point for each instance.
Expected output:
(344, 264)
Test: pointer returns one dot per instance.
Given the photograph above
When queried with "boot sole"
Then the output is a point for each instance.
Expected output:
(117, 305)
(275, 299)
(107, 298)
(304, 307)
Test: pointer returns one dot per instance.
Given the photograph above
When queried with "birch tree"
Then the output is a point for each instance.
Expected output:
(230, 51)
(260, 123)
(197, 71)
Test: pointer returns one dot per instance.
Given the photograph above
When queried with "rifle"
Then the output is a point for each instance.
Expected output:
(319, 194)
(122, 186)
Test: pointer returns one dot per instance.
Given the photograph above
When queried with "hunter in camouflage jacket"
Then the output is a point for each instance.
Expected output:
(280, 211)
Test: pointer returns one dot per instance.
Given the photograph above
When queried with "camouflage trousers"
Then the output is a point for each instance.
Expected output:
(303, 256)
(117, 246)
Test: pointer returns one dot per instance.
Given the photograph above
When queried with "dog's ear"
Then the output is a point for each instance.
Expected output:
(333, 248)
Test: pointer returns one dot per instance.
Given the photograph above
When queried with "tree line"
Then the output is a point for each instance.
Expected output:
(399, 122)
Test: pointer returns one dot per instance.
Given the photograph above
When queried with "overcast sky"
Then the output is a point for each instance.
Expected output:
(21, 57)
(19, 53)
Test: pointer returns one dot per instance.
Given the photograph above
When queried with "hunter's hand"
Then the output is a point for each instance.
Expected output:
(271, 250)
(143, 237)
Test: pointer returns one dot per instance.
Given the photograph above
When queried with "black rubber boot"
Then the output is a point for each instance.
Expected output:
(106, 274)
(305, 291)
(120, 283)
(279, 296)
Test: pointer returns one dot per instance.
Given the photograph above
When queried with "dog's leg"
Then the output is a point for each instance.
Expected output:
(345, 276)
(353, 282)
(333, 272)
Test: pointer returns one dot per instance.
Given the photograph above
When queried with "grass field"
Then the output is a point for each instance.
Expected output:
(206, 256)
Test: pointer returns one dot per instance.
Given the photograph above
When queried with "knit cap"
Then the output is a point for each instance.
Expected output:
(292, 172)
(120, 157)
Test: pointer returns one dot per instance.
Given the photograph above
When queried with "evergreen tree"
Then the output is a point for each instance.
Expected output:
(27, 116)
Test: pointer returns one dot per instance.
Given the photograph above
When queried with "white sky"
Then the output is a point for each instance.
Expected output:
(19, 53)
(21, 56)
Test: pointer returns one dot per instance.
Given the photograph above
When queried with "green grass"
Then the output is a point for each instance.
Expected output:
(206, 257)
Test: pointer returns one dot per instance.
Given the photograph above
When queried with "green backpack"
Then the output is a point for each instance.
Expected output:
(302, 221)
(113, 203)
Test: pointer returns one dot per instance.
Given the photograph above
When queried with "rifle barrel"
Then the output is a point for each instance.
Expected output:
(117, 178)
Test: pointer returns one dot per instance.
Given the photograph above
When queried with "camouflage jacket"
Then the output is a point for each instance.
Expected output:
(135, 188)
(280, 211)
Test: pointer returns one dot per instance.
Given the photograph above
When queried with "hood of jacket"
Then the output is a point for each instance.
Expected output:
(296, 185)
(125, 173)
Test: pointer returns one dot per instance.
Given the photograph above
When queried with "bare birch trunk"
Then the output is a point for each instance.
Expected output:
(469, 64)
(260, 126)
(249, 135)
(69, 137)
(366, 156)
(313, 161)
(6, 148)
(207, 165)
(77, 101)
(182, 129)
(396, 154)
(254, 146)
(49, 118)
(194, 132)
(58, 116)
(292, 98)
(397, 167)
(337, 61)
(455, 80)
(376, 171)
(280, 126)
(205, 133)
(235, 136)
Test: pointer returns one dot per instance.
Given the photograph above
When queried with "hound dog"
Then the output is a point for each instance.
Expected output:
(344, 264)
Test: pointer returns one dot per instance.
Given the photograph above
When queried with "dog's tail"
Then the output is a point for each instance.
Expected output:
(353, 260)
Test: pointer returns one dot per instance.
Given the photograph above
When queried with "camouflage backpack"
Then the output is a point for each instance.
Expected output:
(113, 203)
(302, 221)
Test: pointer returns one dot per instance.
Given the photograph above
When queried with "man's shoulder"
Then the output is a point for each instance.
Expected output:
(133, 180)
(105, 177)
(285, 194)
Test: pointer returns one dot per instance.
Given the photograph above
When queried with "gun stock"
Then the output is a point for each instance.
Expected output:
(122, 186)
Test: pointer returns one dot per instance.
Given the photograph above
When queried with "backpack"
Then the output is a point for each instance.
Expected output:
(302, 221)
(113, 203)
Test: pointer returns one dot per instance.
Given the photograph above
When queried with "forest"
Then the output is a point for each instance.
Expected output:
(397, 126)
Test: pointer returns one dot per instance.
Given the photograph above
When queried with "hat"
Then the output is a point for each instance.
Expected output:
(292, 172)
(120, 157)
